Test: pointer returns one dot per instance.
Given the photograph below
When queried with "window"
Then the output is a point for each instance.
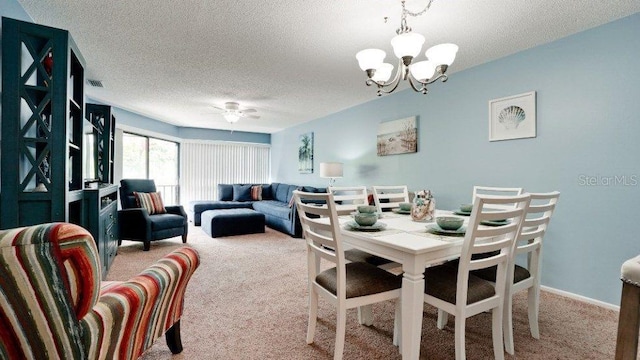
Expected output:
(207, 164)
(150, 158)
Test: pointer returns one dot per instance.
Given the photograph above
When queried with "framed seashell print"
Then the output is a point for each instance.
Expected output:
(513, 117)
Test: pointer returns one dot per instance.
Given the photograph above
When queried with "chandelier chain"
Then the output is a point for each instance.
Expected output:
(405, 11)
(404, 28)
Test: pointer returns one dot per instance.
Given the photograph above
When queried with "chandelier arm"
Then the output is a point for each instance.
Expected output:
(422, 89)
(444, 78)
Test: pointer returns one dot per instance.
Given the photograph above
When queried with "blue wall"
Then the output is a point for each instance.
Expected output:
(13, 9)
(588, 103)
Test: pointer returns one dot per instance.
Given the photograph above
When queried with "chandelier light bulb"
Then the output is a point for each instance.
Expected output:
(442, 54)
(407, 44)
(383, 73)
(422, 70)
(370, 59)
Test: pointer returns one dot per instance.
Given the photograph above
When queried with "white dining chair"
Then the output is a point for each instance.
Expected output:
(390, 197)
(348, 198)
(455, 290)
(526, 277)
(498, 191)
(345, 285)
(347, 201)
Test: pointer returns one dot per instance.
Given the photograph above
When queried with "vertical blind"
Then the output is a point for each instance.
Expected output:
(205, 165)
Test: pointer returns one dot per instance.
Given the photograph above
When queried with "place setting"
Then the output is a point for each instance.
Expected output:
(365, 219)
(404, 209)
(448, 226)
(464, 210)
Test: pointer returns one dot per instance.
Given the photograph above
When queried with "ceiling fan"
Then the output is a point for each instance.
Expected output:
(232, 112)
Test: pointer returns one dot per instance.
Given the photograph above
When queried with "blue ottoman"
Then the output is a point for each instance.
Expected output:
(230, 222)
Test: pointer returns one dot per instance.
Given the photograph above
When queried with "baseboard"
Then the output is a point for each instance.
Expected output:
(581, 298)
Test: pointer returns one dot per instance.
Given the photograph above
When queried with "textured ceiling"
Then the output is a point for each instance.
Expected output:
(292, 60)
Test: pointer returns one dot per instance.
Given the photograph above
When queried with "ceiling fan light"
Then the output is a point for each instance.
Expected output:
(369, 59)
(442, 54)
(383, 73)
(407, 44)
(422, 70)
(231, 117)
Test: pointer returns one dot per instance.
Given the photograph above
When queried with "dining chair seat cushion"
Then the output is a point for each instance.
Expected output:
(441, 282)
(355, 255)
(630, 271)
(489, 274)
(362, 279)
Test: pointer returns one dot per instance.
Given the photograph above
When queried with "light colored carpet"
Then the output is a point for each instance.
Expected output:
(248, 300)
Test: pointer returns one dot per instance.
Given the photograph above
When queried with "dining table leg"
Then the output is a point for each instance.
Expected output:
(411, 312)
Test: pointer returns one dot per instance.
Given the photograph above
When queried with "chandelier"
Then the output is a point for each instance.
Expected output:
(406, 46)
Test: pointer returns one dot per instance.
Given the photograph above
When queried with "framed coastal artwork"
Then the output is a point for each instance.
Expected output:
(513, 117)
(398, 136)
(305, 153)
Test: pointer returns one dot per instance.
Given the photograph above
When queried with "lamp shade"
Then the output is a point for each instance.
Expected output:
(407, 44)
(369, 59)
(331, 170)
(422, 70)
(383, 73)
(442, 54)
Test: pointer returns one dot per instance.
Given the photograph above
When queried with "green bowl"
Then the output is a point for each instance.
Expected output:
(365, 219)
(466, 207)
(367, 209)
(405, 206)
(449, 222)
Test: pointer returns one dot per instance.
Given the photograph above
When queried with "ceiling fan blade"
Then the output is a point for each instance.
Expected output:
(249, 110)
(218, 108)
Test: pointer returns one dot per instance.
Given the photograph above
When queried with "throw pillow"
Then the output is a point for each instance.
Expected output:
(241, 192)
(225, 192)
(150, 201)
(256, 193)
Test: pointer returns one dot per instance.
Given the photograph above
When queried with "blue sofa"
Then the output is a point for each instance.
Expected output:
(276, 204)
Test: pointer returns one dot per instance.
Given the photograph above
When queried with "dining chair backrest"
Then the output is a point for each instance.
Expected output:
(348, 198)
(390, 197)
(321, 231)
(502, 238)
(534, 227)
(498, 191)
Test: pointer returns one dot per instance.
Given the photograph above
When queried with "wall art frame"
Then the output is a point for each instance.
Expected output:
(398, 136)
(513, 117)
(305, 153)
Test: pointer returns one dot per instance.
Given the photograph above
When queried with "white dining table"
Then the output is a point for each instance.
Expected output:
(408, 243)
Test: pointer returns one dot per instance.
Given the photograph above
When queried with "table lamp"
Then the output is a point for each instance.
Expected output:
(331, 170)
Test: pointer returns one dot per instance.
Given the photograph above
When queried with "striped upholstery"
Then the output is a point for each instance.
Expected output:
(53, 305)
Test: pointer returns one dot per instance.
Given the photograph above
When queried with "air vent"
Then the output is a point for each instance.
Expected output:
(95, 83)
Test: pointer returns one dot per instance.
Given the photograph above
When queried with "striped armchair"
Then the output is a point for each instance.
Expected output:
(54, 306)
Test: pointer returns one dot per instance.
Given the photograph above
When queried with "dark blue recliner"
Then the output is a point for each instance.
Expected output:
(136, 224)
